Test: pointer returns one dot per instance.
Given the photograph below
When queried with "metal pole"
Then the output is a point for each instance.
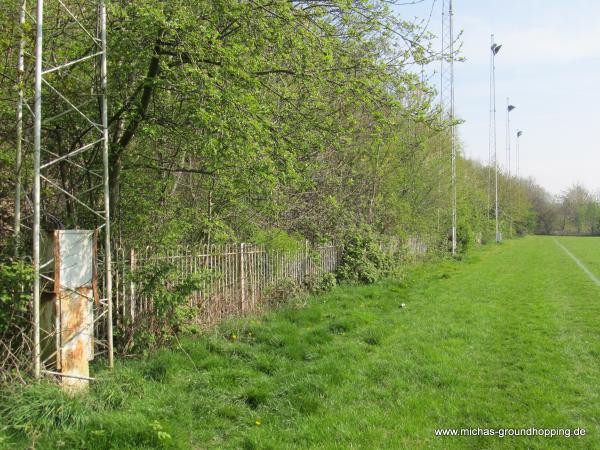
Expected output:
(242, 278)
(107, 249)
(494, 140)
(509, 108)
(489, 185)
(507, 139)
(36, 186)
(517, 172)
(452, 130)
(508, 205)
(519, 133)
(517, 152)
(132, 293)
(19, 147)
(442, 112)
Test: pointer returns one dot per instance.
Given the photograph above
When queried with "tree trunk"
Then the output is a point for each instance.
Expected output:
(114, 184)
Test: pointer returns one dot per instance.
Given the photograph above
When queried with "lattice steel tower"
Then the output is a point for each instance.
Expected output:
(66, 135)
(447, 101)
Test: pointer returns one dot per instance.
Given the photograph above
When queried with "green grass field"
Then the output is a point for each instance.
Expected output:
(509, 337)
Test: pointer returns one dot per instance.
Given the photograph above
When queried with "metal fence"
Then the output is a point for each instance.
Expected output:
(234, 277)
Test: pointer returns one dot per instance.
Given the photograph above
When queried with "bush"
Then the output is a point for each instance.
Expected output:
(363, 261)
(281, 292)
(15, 292)
(15, 325)
(316, 284)
(170, 311)
(464, 237)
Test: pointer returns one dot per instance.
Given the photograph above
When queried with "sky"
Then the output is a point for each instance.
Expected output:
(549, 66)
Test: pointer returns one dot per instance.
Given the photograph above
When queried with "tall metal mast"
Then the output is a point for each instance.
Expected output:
(447, 101)
(509, 205)
(82, 106)
(495, 48)
(452, 131)
(518, 155)
(509, 109)
(105, 181)
(37, 131)
(19, 137)
(490, 136)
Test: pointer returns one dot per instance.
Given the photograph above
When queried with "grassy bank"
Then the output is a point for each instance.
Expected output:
(506, 338)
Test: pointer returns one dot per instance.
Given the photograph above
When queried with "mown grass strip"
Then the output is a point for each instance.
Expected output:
(579, 263)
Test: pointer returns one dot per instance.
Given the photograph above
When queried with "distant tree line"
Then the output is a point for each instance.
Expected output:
(576, 211)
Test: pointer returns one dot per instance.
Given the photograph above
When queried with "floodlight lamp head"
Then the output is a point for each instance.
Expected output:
(510, 108)
(519, 133)
(496, 48)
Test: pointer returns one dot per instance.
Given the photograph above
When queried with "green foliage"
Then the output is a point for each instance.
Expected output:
(464, 237)
(577, 212)
(170, 310)
(16, 279)
(282, 291)
(258, 124)
(319, 284)
(278, 240)
(363, 261)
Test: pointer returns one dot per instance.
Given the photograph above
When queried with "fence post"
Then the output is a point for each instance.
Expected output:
(306, 260)
(242, 279)
(132, 286)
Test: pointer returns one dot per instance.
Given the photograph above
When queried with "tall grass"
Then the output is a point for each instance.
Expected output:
(493, 340)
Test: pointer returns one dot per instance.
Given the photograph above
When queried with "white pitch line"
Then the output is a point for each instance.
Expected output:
(593, 277)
